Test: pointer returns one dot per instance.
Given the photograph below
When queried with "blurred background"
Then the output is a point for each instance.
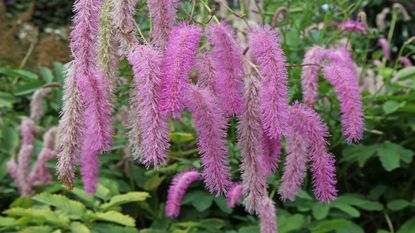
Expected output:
(376, 178)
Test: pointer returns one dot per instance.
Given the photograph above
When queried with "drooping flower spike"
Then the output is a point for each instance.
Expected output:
(384, 44)
(353, 26)
(227, 61)
(406, 62)
(309, 75)
(234, 195)
(152, 126)
(122, 16)
(253, 171)
(305, 121)
(267, 52)
(177, 190)
(176, 65)
(207, 73)
(340, 72)
(163, 15)
(272, 153)
(36, 104)
(267, 216)
(211, 126)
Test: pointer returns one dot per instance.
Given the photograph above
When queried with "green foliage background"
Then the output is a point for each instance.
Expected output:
(376, 178)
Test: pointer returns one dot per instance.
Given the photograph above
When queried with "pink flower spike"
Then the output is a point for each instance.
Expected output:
(353, 26)
(153, 127)
(271, 60)
(89, 166)
(123, 18)
(305, 121)
(163, 14)
(227, 60)
(176, 65)
(23, 169)
(253, 171)
(211, 127)
(207, 73)
(295, 166)
(406, 62)
(384, 44)
(267, 216)
(272, 153)
(36, 104)
(234, 195)
(27, 129)
(341, 74)
(178, 189)
(40, 173)
(309, 76)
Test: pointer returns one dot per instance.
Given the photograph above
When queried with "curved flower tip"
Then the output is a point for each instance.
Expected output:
(305, 121)
(271, 60)
(176, 65)
(89, 169)
(227, 61)
(234, 195)
(178, 189)
(267, 216)
(36, 104)
(211, 126)
(353, 26)
(150, 124)
(295, 166)
(309, 75)
(27, 129)
(406, 62)
(341, 74)
(384, 44)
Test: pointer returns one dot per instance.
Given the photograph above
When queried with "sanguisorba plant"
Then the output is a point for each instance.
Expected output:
(252, 87)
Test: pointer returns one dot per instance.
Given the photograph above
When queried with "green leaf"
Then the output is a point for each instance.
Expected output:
(181, 137)
(249, 229)
(59, 72)
(125, 198)
(329, 225)
(408, 226)
(28, 87)
(320, 211)
(212, 224)
(153, 183)
(406, 73)
(6, 222)
(391, 106)
(202, 200)
(397, 205)
(390, 155)
(46, 74)
(360, 202)
(89, 200)
(42, 215)
(114, 217)
(18, 73)
(6, 100)
(77, 227)
(222, 204)
(290, 223)
(11, 142)
(73, 209)
(351, 228)
(353, 212)
(111, 228)
(37, 229)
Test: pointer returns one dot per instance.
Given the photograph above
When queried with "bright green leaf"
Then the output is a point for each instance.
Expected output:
(406, 73)
(37, 229)
(181, 137)
(350, 228)
(408, 226)
(353, 212)
(77, 227)
(70, 207)
(114, 217)
(125, 198)
(46, 74)
(44, 215)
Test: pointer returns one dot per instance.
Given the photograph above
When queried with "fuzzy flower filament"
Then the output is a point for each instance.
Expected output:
(163, 14)
(234, 195)
(267, 216)
(309, 75)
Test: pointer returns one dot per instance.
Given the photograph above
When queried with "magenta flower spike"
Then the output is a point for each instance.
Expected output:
(267, 216)
(211, 127)
(272, 153)
(309, 76)
(353, 26)
(384, 44)
(227, 61)
(253, 171)
(123, 18)
(27, 129)
(234, 195)
(178, 189)
(176, 65)
(406, 62)
(70, 126)
(305, 121)
(207, 73)
(153, 128)
(273, 92)
(295, 168)
(163, 14)
(36, 104)
(23, 169)
(341, 74)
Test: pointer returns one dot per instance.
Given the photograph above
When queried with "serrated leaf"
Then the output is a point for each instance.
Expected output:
(72, 208)
(103, 192)
(408, 226)
(329, 225)
(43, 215)
(37, 229)
(353, 212)
(396, 205)
(125, 198)
(320, 210)
(77, 227)
(114, 217)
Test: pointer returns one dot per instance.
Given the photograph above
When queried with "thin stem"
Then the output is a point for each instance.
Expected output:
(389, 222)
(211, 12)
(27, 56)
(140, 32)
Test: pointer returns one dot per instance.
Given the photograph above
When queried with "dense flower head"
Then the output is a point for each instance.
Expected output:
(176, 65)
(163, 15)
(27, 130)
(306, 122)
(309, 75)
(272, 153)
(384, 44)
(267, 52)
(122, 16)
(340, 72)
(406, 61)
(227, 61)
(207, 73)
(177, 190)
(154, 131)
(267, 216)
(352, 26)
(37, 109)
(211, 126)
(234, 195)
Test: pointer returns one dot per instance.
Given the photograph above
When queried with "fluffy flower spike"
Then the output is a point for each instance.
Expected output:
(153, 128)
(309, 75)
(36, 105)
(267, 216)
(211, 127)
(163, 14)
(227, 60)
(384, 44)
(178, 189)
(271, 60)
(234, 195)
(177, 63)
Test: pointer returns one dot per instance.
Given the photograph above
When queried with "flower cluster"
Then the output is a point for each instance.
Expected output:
(252, 87)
